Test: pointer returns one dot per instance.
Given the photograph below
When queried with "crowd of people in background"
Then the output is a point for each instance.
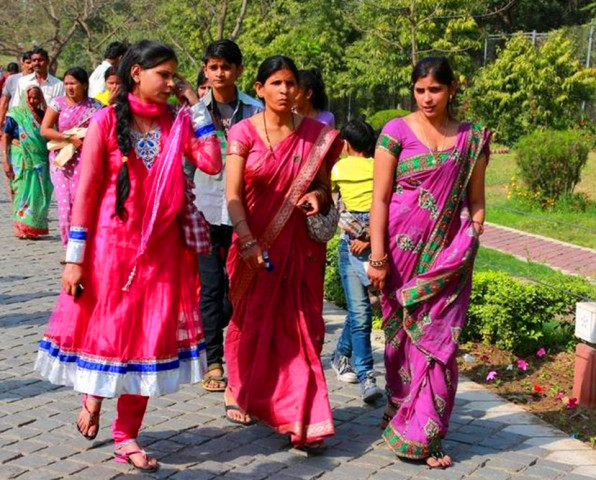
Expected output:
(185, 210)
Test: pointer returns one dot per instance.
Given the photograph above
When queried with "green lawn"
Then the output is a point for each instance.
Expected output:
(489, 259)
(573, 227)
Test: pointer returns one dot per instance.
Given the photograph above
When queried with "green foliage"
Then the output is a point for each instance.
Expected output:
(379, 119)
(521, 317)
(550, 162)
(334, 292)
(529, 87)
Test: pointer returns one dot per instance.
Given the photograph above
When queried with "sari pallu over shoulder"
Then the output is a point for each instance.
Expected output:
(311, 161)
(440, 260)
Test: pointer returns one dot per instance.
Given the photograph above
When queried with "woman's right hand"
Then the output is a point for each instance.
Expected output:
(378, 276)
(254, 257)
(72, 277)
(76, 141)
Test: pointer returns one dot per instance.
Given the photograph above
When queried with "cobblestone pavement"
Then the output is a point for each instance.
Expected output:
(560, 255)
(490, 439)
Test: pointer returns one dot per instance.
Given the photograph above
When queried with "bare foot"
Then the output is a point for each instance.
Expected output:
(439, 460)
(234, 413)
(88, 419)
(139, 459)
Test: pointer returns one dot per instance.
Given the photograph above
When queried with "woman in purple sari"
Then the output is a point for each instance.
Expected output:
(426, 217)
(72, 111)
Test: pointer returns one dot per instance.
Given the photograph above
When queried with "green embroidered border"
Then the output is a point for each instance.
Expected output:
(405, 448)
(424, 161)
(389, 144)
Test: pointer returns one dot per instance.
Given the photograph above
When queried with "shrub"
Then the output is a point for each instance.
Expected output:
(379, 119)
(550, 162)
(521, 317)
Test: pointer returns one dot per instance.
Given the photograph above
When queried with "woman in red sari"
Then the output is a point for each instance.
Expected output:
(278, 169)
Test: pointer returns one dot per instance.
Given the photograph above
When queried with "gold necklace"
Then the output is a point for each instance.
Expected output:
(140, 130)
(267, 134)
(436, 152)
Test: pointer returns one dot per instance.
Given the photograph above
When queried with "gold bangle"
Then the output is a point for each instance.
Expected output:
(378, 263)
(247, 245)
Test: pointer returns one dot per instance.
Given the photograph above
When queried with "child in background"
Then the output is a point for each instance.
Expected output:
(202, 84)
(353, 177)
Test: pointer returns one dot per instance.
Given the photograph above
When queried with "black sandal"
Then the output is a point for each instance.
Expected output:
(93, 420)
(437, 454)
(236, 408)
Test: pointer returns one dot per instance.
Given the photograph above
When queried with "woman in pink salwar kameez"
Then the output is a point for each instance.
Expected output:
(278, 168)
(127, 323)
(426, 217)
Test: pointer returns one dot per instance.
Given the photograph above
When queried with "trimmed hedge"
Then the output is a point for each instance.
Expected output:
(379, 119)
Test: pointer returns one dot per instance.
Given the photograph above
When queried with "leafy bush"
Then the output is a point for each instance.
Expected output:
(521, 317)
(379, 119)
(334, 292)
(529, 87)
(550, 162)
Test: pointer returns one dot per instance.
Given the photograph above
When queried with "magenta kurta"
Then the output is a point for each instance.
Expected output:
(142, 336)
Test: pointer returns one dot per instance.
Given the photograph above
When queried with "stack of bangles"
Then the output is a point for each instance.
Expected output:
(77, 240)
(381, 262)
(244, 246)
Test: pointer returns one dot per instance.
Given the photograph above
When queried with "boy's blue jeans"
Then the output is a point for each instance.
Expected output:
(354, 341)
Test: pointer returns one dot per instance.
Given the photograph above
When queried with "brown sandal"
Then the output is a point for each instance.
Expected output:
(208, 378)
(93, 419)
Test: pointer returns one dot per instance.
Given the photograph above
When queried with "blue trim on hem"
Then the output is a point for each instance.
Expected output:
(183, 355)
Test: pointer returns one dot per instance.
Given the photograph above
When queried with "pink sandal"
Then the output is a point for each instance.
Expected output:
(124, 457)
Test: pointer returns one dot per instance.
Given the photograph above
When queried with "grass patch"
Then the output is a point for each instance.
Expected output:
(574, 227)
(489, 259)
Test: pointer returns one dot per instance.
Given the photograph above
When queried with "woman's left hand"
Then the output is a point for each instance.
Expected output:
(312, 201)
(76, 141)
(185, 91)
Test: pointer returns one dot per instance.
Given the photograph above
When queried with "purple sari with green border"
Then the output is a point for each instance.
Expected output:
(432, 246)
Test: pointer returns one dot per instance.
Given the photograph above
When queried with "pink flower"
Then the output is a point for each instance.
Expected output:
(572, 403)
(560, 395)
(491, 376)
(485, 358)
(541, 352)
(522, 364)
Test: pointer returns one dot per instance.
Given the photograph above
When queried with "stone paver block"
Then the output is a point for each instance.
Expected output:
(579, 458)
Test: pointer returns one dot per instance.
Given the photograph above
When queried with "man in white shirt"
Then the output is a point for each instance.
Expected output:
(50, 86)
(113, 55)
(10, 87)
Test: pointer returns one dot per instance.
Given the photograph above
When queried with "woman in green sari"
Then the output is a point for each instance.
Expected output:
(25, 162)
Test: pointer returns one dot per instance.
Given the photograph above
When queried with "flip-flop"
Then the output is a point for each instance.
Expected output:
(124, 457)
(315, 448)
(236, 408)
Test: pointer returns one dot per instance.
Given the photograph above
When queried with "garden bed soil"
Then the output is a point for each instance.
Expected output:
(545, 388)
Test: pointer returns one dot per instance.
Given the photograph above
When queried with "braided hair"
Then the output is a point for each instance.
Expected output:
(147, 54)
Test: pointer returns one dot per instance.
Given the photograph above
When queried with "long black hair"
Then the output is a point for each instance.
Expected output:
(274, 64)
(80, 75)
(148, 54)
(311, 79)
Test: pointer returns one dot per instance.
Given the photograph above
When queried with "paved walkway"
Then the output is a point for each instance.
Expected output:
(563, 256)
(489, 438)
